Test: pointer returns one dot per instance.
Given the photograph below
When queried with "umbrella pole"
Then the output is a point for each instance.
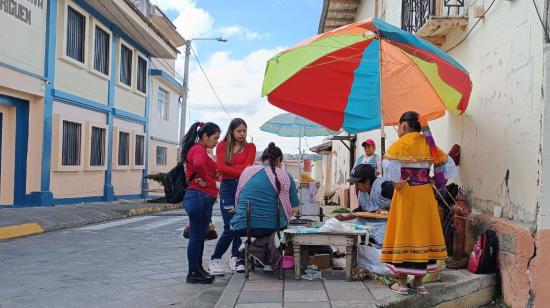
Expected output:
(382, 130)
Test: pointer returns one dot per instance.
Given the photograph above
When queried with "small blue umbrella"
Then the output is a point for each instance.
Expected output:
(291, 125)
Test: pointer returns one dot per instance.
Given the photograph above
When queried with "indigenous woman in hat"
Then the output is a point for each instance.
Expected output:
(414, 237)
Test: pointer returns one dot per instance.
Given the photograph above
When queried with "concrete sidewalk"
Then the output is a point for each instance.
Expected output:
(16, 222)
(457, 288)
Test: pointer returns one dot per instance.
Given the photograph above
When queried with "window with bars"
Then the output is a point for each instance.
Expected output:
(126, 65)
(163, 105)
(101, 51)
(76, 34)
(140, 150)
(161, 156)
(71, 144)
(123, 149)
(142, 75)
(97, 149)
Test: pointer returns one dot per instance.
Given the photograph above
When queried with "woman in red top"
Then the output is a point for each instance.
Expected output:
(233, 155)
(200, 196)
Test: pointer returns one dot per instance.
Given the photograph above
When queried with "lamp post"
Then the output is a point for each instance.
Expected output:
(185, 92)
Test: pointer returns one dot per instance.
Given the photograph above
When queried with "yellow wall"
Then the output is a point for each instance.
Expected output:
(167, 130)
(171, 159)
(71, 75)
(129, 101)
(127, 182)
(79, 183)
(22, 44)
(8, 154)
(36, 109)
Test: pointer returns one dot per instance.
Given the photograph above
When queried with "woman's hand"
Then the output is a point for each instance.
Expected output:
(201, 182)
(399, 185)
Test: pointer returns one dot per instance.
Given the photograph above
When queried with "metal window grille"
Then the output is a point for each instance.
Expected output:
(126, 65)
(161, 156)
(163, 105)
(415, 13)
(101, 51)
(75, 35)
(142, 75)
(97, 151)
(123, 149)
(70, 147)
(140, 150)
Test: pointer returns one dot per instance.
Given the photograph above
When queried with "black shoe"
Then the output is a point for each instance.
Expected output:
(206, 273)
(198, 277)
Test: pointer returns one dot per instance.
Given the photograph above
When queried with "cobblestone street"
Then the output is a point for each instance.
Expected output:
(134, 262)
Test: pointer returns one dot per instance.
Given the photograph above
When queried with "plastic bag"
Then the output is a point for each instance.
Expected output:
(368, 257)
(311, 274)
(333, 224)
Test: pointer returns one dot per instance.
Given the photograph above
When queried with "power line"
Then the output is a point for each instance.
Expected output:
(544, 27)
(473, 27)
(210, 84)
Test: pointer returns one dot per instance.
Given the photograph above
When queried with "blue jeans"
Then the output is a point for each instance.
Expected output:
(198, 206)
(228, 189)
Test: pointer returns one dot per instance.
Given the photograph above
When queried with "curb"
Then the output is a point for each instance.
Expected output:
(231, 293)
(32, 228)
(20, 230)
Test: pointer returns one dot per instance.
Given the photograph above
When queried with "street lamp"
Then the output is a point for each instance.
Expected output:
(185, 93)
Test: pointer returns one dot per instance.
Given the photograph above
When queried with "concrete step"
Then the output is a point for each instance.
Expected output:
(457, 288)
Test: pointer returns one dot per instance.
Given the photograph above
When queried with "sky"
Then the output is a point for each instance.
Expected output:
(256, 30)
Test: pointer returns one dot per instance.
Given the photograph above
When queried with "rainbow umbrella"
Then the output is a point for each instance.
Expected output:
(348, 77)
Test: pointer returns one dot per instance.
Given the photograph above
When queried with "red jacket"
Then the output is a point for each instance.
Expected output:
(200, 166)
(239, 161)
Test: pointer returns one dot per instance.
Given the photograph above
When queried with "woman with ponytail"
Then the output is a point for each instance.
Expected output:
(264, 187)
(414, 238)
(201, 193)
(233, 155)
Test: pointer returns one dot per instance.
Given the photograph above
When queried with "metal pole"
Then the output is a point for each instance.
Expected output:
(382, 130)
(185, 93)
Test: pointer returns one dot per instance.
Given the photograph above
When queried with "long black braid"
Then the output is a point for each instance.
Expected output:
(273, 154)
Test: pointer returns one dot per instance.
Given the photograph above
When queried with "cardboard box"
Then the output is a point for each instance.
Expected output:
(322, 261)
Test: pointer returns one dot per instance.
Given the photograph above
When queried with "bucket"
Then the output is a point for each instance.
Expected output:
(288, 262)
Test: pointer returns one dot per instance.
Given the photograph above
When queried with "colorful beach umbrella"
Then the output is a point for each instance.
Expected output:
(291, 125)
(359, 75)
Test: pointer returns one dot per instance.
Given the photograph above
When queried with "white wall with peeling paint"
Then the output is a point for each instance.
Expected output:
(501, 132)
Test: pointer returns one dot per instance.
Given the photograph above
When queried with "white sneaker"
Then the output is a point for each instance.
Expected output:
(215, 268)
(268, 268)
(240, 267)
(233, 264)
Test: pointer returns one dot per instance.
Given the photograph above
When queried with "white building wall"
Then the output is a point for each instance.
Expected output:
(500, 133)
(22, 43)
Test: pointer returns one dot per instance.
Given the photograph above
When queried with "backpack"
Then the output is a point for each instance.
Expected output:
(175, 184)
(483, 259)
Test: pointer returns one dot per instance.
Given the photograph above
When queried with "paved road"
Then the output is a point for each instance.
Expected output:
(134, 262)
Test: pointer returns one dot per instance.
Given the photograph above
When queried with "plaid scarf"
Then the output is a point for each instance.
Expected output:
(284, 196)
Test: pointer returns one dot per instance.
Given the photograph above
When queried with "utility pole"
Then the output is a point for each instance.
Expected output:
(185, 92)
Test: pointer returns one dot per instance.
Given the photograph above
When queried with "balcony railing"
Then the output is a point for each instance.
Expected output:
(415, 13)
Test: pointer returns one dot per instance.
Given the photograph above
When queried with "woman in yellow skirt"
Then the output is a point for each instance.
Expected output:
(414, 238)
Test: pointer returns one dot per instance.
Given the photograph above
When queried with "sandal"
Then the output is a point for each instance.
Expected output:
(399, 289)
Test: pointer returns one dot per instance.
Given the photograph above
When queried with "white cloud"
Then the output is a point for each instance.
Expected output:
(238, 82)
(192, 21)
(241, 33)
